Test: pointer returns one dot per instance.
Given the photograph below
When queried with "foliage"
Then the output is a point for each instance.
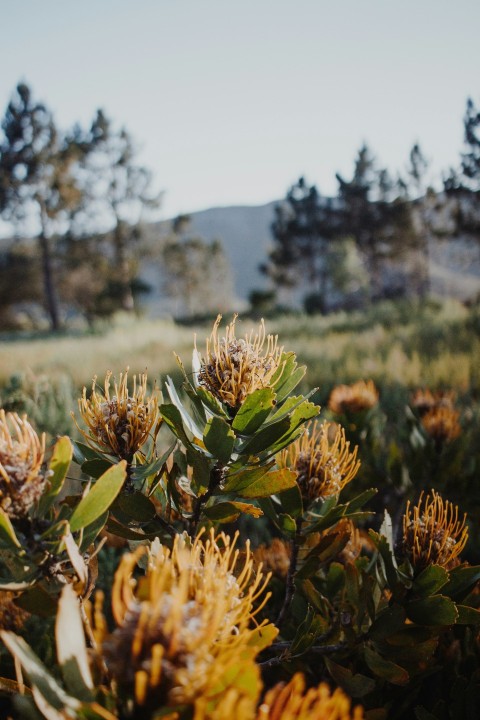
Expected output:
(365, 580)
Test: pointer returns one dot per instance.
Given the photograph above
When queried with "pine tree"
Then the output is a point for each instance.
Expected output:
(38, 185)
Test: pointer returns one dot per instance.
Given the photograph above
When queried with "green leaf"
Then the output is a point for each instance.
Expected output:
(228, 511)
(291, 501)
(201, 467)
(142, 472)
(40, 678)
(173, 418)
(100, 497)
(287, 524)
(219, 439)
(287, 376)
(82, 452)
(462, 578)
(38, 602)
(430, 580)
(272, 483)
(210, 401)
(358, 502)
(135, 506)
(388, 622)
(7, 533)
(238, 480)
(116, 528)
(59, 464)
(254, 411)
(71, 647)
(355, 685)
(468, 615)
(385, 669)
(433, 610)
(187, 420)
(265, 438)
(96, 468)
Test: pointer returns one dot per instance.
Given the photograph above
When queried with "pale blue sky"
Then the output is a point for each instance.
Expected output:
(232, 101)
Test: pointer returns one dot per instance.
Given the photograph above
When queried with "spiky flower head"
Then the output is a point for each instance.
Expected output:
(21, 457)
(425, 400)
(353, 398)
(441, 423)
(186, 623)
(292, 702)
(233, 368)
(433, 534)
(274, 558)
(119, 422)
(322, 459)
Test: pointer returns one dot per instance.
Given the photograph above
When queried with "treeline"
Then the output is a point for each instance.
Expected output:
(373, 239)
(84, 197)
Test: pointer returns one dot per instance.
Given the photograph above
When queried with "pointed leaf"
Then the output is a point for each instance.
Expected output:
(187, 420)
(355, 685)
(7, 533)
(71, 647)
(433, 610)
(99, 498)
(229, 511)
(385, 668)
(462, 578)
(254, 411)
(59, 464)
(219, 439)
(238, 480)
(96, 468)
(430, 580)
(468, 615)
(270, 484)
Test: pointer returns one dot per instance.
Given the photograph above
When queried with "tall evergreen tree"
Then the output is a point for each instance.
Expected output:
(38, 186)
(303, 230)
(116, 193)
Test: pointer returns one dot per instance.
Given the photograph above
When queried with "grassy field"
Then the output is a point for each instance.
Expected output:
(407, 344)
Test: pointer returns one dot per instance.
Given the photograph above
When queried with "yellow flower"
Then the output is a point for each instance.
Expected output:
(322, 459)
(184, 630)
(353, 398)
(291, 702)
(119, 423)
(433, 533)
(441, 424)
(21, 458)
(234, 368)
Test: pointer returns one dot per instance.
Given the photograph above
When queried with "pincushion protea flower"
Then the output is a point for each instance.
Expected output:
(234, 368)
(291, 702)
(353, 398)
(433, 533)
(322, 459)
(21, 458)
(185, 627)
(425, 400)
(274, 558)
(441, 424)
(119, 423)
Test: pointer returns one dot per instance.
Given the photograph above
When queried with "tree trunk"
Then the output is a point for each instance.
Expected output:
(51, 301)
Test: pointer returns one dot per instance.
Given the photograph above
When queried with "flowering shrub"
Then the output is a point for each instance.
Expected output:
(270, 564)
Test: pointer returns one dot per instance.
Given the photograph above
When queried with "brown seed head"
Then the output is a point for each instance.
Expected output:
(185, 622)
(433, 533)
(234, 368)
(293, 702)
(353, 398)
(21, 458)
(322, 459)
(119, 423)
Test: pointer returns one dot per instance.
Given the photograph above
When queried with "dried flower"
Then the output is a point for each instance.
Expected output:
(441, 424)
(234, 368)
(322, 459)
(186, 623)
(353, 398)
(291, 702)
(120, 423)
(21, 458)
(433, 533)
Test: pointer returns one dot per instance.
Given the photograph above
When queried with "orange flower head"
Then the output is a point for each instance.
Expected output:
(353, 398)
(425, 400)
(185, 625)
(441, 423)
(292, 701)
(322, 459)
(21, 457)
(274, 558)
(234, 368)
(433, 533)
(119, 423)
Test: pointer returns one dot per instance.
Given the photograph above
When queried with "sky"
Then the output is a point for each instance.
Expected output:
(230, 102)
